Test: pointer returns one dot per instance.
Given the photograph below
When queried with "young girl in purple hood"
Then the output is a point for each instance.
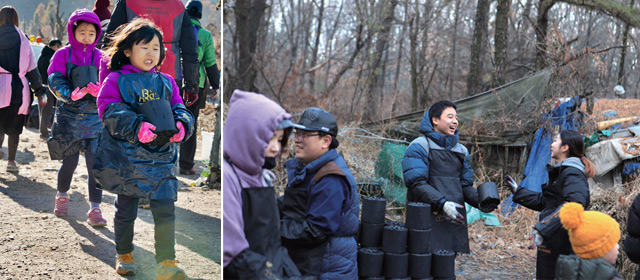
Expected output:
(73, 77)
(128, 161)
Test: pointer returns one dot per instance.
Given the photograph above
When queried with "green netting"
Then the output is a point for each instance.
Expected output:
(389, 166)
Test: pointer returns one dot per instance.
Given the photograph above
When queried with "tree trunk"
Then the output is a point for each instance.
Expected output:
(480, 28)
(376, 80)
(248, 16)
(623, 52)
(454, 45)
(314, 54)
(500, 42)
(400, 51)
(542, 23)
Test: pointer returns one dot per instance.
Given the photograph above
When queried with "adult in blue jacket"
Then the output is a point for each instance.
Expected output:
(436, 171)
(320, 206)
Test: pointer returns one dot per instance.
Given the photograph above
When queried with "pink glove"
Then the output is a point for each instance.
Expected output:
(145, 134)
(93, 89)
(180, 135)
(78, 93)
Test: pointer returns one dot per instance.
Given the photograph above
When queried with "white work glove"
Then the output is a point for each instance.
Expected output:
(509, 181)
(537, 238)
(449, 208)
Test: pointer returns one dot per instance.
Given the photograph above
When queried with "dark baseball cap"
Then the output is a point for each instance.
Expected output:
(316, 119)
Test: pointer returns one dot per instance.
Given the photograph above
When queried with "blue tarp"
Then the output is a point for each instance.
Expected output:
(631, 168)
(565, 117)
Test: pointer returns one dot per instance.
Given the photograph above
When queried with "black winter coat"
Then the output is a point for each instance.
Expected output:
(567, 183)
(632, 242)
(43, 62)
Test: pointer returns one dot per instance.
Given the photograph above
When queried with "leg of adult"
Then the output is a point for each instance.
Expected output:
(214, 156)
(215, 147)
(1, 141)
(65, 173)
(13, 128)
(46, 115)
(123, 222)
(546, 263)
(14, 139)
(164, 217)
(188, 148)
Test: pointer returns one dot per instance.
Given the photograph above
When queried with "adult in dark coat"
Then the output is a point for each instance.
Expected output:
(436, 171)
(632, 242)
(567, 183)
(181, 44)
(17, 73)
(46, 111)
(208, 65)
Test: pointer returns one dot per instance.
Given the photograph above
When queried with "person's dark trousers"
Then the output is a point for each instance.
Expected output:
(46, 115)
(12, 145)
(214, 158)
(163, 211)
(188, 148)
(65, 175)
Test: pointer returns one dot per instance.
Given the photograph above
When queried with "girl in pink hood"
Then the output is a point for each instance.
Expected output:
(73, 78)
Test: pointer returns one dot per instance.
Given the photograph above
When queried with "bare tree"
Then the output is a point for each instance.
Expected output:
(479, 31)
(500, 43)
(376, 78)
(248, 15)
(58, 22)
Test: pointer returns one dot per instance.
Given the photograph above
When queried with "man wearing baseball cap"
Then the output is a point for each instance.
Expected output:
(320, 206)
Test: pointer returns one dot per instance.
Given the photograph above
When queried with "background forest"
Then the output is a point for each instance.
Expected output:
(370, 60)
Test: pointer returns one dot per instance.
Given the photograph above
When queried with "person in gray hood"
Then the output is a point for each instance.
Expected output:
(567, 183)
(256, 130)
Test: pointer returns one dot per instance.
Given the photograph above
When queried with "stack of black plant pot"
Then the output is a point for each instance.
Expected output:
(418, 220)
(396, 250)
(370, 255)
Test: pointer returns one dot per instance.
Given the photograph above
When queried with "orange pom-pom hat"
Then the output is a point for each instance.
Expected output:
(592, 233)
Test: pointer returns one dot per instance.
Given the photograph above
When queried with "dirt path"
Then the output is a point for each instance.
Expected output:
(35, 244)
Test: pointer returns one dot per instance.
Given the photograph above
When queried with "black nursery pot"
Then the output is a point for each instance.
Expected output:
(488, 196)
(370, 262)
(443, 264)
(394, 239)
(158, 112)
(373, 209)
(420, 265)
(418, 215)
(371, 235)
(396, 265)
(419, 241)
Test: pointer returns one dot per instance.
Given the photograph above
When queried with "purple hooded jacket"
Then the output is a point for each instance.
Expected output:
(80, 54)
(110, 92)
(250, 124)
